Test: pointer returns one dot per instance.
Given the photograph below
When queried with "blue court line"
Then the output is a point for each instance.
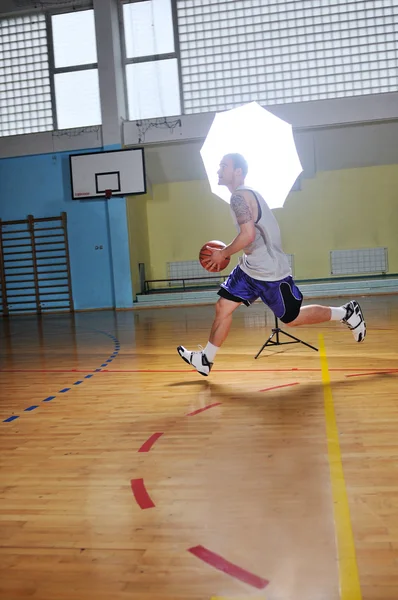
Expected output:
(64, 390)
(10, 419)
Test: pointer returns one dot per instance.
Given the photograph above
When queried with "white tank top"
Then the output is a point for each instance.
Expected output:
(264, 258)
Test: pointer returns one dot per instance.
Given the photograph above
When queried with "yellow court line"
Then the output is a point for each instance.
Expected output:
(350, 588)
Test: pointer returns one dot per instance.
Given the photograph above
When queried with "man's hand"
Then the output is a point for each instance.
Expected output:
(214, 262)
(246, 236)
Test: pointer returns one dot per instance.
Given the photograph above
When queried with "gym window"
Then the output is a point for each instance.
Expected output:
(73, 62)
(275, 52)
(25, 93)
(151, 59)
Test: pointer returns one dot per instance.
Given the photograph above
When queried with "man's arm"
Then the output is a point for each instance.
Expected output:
(246, 235)
(245, 220)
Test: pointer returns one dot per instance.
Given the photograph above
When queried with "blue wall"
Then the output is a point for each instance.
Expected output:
(40, 185)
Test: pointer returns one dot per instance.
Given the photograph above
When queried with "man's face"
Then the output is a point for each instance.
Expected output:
(226, 172)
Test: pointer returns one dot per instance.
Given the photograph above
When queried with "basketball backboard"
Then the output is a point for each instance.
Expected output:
(95, 173)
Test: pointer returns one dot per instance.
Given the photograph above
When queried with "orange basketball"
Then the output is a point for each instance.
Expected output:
(205, 253)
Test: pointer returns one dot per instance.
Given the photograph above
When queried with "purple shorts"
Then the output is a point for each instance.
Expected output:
(283, 297)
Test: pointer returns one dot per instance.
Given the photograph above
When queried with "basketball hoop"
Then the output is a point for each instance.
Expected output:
(108, 194)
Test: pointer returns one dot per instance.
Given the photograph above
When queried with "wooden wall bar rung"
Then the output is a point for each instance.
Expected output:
(26, 301)
(20, 266)
(48, 243)
(15, 231)
(15, 259)
(24, 258)
(47, 229)
(59, 285)
(46, 219)
(26, 295)
(16, 245)
(53, 279)
(46, 257)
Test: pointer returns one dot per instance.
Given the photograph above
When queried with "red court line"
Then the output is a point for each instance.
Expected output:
(289, 370)
(196, 412)
(150, 442)
(140, 494)
(46, 370)
(373, 373)
(276, 387)
(227, 567)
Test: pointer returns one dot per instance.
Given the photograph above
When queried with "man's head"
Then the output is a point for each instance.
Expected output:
(233, 170)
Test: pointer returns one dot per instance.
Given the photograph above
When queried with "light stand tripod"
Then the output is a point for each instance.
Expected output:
(276, 331)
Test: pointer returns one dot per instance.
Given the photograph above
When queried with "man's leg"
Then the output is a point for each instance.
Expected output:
(313, 313)
(284, 298)
(350, 314)
(222, 322)
(203, 360)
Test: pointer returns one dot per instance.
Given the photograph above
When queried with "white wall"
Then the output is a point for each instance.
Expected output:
(48, 142)
(330, 134)
(177, 156)
(302, 115)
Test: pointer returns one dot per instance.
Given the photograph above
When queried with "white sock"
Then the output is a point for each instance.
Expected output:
(338, 313)
(211, 351)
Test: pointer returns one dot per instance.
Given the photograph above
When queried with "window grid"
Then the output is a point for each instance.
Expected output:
(364, 260)
(25, 95)
(237, 51)
(63, 119)
(138, 108)
(189, 269)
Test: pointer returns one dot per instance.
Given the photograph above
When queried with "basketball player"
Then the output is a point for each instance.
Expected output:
(263, 271)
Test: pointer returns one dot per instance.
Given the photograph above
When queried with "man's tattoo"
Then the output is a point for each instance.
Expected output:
(241, 209)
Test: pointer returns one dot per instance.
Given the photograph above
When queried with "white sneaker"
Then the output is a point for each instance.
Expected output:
(355, 321)
(197, 359)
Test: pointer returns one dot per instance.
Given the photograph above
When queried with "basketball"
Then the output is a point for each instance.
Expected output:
(205, 253)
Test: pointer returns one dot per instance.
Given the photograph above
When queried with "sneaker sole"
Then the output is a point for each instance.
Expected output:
(362, 335)
(188, 363)
(183, 357)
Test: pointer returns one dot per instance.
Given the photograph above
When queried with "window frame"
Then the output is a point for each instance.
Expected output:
(296, 43)
(23, 14)
(151, 57)
(51, 57)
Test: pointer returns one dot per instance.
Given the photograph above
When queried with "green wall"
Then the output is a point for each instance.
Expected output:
(341, 210)
(137, 222)
(336, 210)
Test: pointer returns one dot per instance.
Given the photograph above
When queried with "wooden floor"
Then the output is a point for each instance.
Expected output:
(285, 487)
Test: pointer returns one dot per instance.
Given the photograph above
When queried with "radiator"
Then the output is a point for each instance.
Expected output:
(193, 268)
(357, 262)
